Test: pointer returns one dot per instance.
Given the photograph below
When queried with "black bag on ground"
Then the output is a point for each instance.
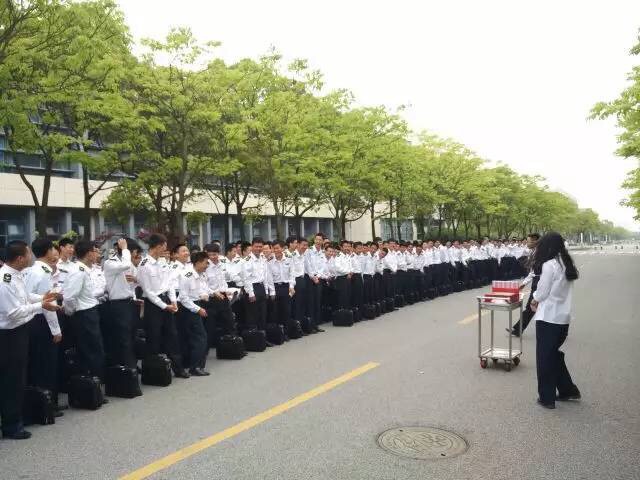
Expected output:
(390, 304)
(38, 407)
(432, 293)
(306, 325)
(254, 340)
(68, 368)
(368, 312)
(230, 347)
(275, 333)
(122, 382)
(343, 318)
(357, 314)
(140, 344)
(156, 370)
(458, 286)
(411, 298)
(85, 392)
(378, 308)
(399, 301)
(294, 329)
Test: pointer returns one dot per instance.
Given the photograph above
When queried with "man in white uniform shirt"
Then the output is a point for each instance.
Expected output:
(119, 274)
(44, 330)
(194, 295)
(254, 278)
(281, 284)
(160, 305)
(314, 264)
(218, 307)
(300, 308)
(17, 307)
(81, 305)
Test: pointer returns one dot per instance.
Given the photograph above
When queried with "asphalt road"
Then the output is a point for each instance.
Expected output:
(428, 375)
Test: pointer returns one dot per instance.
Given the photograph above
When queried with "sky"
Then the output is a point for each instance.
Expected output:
(512, 80)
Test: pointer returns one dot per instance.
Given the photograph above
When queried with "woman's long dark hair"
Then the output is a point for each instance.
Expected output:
(551, 246)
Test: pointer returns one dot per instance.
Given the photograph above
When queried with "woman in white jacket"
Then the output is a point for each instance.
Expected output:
(552, 305)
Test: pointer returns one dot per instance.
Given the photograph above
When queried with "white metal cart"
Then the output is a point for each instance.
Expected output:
(509, 355)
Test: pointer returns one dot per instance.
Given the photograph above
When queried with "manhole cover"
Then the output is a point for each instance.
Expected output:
(422, 443)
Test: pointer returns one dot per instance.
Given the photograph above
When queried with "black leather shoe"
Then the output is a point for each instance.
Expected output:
(566, 398)
(269, 344)
(513, 332)
(550, 406)
(199, 372)
(105, 401)
(58, 414)
(182, 374)
(62, 407)
(21, 435)
(319, 330)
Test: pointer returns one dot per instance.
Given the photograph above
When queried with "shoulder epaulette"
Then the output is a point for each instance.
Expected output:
(6, 278)
(46, 269)
(143, 262)
(63, 270)
(175, 265)
(188, 274)
(223, 259)
(247, 258)
(81, 269)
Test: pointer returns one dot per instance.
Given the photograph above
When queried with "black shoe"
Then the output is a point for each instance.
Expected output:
(566, 398)
(105, 401)
(319, 330)
(304, 334)
(62, 407)
(513, 332)
(58, 414)
(550, 406)
(182, 374)
(269, 344)
(21, 435)
(199, 372)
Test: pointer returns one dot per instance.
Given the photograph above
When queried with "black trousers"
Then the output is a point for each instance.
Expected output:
(300, 308)
(368, 289)
(162, 335)
(343, 292)
(427, 279)
(14, 354)
(88, 337)
(117, 333)
(552, 370)
(389, 283)
(378, 287)
(220, 316)
(527, 315)
(415, 284)
(282, 305)
(195, 338)
(256, 312)
(43, 356)
(314, 299)
(357, 290)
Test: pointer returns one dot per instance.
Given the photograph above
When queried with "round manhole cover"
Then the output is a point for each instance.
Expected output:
(422, 443)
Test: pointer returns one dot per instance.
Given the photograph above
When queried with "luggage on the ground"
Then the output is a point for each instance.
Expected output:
(121, 381)
(275, 333)
(294, 329)
(306, 325)
(432, 293)
(357, 314)
(68, 369)
(368, 311)
(156, 370)
(38, 407)
(230, 347)
(85, 392)
(343, 318)
(399, 301)
(254, 340)
(458, 286)
(390, 304)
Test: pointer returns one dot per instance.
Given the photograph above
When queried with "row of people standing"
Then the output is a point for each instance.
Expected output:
(186, 301)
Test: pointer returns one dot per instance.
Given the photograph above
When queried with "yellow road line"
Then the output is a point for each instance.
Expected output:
(230, 432)
(470, 319)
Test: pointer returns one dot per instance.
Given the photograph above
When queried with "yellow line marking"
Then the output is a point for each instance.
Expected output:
(230, 432)
(470, 319)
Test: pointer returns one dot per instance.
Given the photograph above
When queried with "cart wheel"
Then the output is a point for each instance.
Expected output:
(507, 366)
(516, 361)
(483, 363)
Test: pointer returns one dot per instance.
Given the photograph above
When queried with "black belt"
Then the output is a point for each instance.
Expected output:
(281, 283)
(128, 299)
(386, 270)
